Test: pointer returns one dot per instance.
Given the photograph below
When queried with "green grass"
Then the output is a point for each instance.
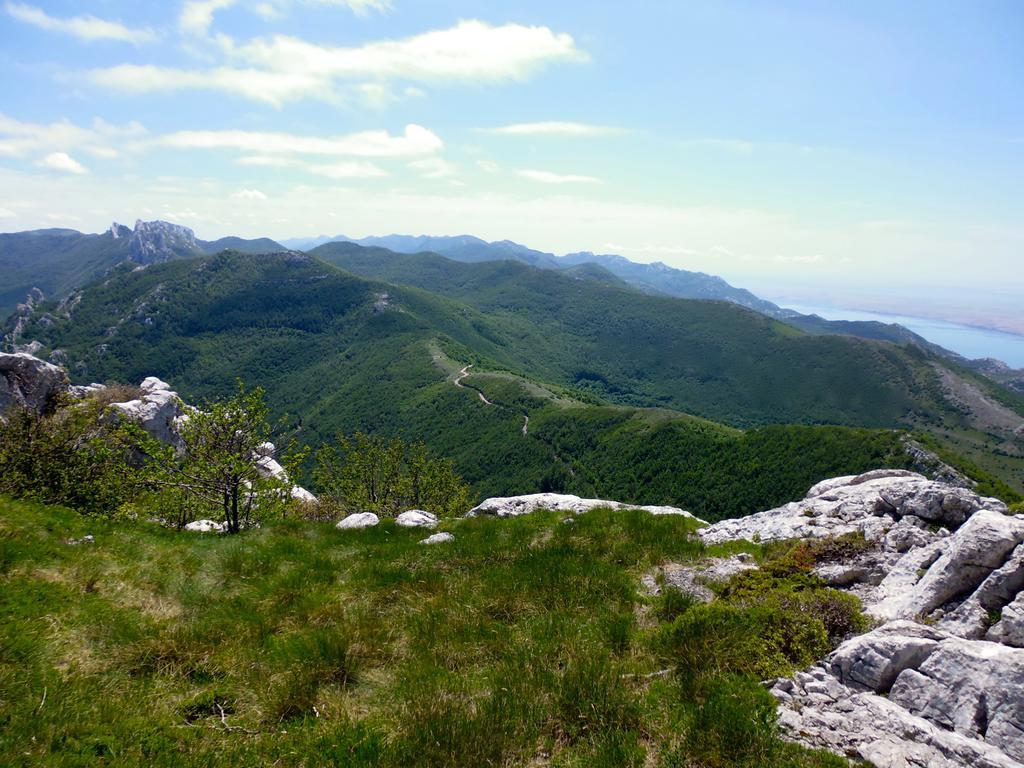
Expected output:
(524, 642)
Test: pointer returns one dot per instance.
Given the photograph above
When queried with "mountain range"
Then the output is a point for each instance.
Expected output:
(528, 377)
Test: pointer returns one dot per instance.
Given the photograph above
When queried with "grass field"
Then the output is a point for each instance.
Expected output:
(524, 642)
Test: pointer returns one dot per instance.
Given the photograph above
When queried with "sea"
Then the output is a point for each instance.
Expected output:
(967, 340)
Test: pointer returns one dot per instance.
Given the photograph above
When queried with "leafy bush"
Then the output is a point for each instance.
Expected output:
(72, 456)
(367, 473)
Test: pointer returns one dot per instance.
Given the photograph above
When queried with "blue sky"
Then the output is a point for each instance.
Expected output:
(787, 146)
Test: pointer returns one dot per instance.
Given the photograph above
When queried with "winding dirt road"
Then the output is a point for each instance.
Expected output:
(457, 381)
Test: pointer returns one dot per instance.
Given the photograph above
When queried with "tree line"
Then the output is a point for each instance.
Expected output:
(83, 455)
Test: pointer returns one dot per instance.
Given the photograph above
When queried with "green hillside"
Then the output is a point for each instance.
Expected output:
(522, 642)
(343, 353)
(712, 359)
(53, 260)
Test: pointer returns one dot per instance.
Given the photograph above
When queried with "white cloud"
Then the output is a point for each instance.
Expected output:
(415, 141)
(20, 139)
(554, 128)
(488, 166)
(248, 194)
(547, 177)
(471, 51)
(197, 15)
(6, 213)
(652, 250)
(63, 162)
(83, 27)
(282, 68)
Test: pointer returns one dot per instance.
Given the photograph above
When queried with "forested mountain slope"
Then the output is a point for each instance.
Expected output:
(344, 353)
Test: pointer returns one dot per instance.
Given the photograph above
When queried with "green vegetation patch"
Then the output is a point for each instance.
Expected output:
(524, 641)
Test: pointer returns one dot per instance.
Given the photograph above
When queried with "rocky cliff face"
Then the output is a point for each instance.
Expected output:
(153, 242)
(940, 681)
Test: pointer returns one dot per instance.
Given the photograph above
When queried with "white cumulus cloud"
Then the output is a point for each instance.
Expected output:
(547, 177)
(101, 139)
(282, 68)
(83, 27)
(63, 162)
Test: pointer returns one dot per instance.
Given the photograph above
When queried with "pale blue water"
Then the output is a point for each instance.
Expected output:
(964, 339)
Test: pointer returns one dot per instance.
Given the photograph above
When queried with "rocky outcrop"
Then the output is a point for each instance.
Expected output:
(819, 711)
(28, 382)
(941, 681)
(872, 504)
(357, 521)
(153, 242)
(416, 518)
(157, 409)
(514, 506)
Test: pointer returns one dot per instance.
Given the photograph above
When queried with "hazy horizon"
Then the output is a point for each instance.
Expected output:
(841, 152)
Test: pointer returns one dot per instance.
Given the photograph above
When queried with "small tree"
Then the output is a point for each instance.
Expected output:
(220, 465)
(375, 474)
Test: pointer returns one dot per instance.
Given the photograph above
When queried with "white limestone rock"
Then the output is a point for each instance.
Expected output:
(972, 687)
(205, 526)
(28, 382)
(438, 538)
(158, 410)
(416, 518)
(514, 506)
(997, 592)
(873, 661)
(954, 568)
(358, 521)
(872, 504)
(1009, 630)
(817, 710)
(268, 466)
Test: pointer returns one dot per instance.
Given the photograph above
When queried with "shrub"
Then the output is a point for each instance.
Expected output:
(763, 640)
(72, 456)
(366, 473)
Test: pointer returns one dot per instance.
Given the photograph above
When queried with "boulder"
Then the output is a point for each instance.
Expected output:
(438, 538)
(972, 687)
(158, 410)
(28, 382)
(205, 526)
(416, 518)
(514, 506)
(268, 466)
(358, 521)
